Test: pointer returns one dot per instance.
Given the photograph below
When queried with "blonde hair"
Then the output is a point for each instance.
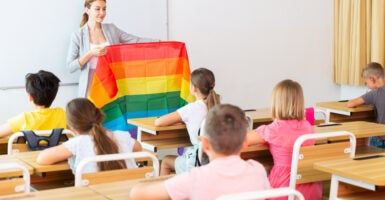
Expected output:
(204, 80)
(83, 116)
(87, 4)
(373, 69)
(288, 101)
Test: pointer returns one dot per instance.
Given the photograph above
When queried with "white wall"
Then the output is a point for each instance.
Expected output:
(252, 44)
(249, 44)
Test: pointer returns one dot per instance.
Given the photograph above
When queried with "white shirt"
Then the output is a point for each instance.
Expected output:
(82, 146)
(192, 115)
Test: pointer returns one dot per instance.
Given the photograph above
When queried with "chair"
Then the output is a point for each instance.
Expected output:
(315, 116)
(14, 147)
(302, 170)
(263, 194)
(9, 186)
(115, 175)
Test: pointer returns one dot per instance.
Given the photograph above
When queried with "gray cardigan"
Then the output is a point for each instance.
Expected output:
(80, 45)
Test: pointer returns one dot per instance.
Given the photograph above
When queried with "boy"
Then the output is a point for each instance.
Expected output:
(225, 136)
(374, 77)
(42, 88)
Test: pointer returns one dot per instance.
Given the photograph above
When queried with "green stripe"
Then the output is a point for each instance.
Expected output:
(137, 103)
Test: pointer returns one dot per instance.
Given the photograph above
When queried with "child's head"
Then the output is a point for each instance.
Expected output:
(42, 86)
(372, 73)
(203, 79)
(288, 101)
(84, 117)
(226, 128)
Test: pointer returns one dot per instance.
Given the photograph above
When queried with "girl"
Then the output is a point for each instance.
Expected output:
(288, 112)
(91, 41)
(85, 120)
(192, 114)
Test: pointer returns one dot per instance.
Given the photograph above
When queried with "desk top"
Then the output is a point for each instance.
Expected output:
(30, 158)
(260, 115)
(121, 189)
(61, 193)
(369, 171)
(148, 123)
(15, 172)
(343, 106)
(361, 129)
(4, 140)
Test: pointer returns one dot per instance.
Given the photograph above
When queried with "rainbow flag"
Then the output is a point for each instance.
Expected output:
(141, 80)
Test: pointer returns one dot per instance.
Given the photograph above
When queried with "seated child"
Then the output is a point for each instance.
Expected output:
(85, 120)
(227, 173)
(202, 87)
(374, 77)
(42, 88)
(288, 112)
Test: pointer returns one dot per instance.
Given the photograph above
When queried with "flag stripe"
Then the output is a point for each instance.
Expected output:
(149, 68)
(129, 105)
(148, 51)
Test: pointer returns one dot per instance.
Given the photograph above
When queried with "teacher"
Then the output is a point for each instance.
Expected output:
(91, 41)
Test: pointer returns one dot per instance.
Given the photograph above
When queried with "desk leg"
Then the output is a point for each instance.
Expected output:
(336, 179)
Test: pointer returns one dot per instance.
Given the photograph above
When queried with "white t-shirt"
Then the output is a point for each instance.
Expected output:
(192, 115)
(82, 146)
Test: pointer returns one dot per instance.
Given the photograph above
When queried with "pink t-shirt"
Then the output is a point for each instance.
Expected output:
(221, 176)
(281, 136)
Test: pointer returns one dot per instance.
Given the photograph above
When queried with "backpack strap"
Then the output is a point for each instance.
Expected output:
(34, 140)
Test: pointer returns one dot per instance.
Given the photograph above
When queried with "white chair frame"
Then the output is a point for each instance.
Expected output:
(16, 135)
(79, 182)
(26, 176)
(300, 140)
(263, 194)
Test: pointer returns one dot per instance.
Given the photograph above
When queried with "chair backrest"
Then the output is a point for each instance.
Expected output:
(14, 185)
(263, 194)
(115, 175)
(302, 170)
(14, 148)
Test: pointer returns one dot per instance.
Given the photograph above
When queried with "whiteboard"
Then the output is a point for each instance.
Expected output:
(36, 34)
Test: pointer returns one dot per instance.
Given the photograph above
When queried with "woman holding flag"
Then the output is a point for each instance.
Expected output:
(91, 41)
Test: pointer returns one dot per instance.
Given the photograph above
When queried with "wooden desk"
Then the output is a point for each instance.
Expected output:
(155, 138)
(339, 112)
(3, 145)
(30, 158)
(362, 173)
(260, 116)
(82, 193)
(120, 190)
(361, 129)
(10, 173)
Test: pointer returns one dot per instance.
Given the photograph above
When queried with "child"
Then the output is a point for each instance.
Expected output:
(374, 77)
(42, 88)
(225, 136)
(202, 87)
(85, 120)
(288, 112)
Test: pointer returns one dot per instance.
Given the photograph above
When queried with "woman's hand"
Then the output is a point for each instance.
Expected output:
(99, 51)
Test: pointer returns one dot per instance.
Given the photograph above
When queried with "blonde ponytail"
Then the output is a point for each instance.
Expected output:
(84, 19)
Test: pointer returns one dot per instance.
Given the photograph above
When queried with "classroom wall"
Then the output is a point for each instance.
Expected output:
(249, 44)
(252, 44)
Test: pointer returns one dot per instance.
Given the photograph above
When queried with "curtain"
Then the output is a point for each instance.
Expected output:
(358, 38)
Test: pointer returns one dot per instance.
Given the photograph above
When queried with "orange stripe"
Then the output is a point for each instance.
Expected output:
(148, 68)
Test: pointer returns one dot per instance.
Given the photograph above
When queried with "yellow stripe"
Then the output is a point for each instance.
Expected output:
(149, 85)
